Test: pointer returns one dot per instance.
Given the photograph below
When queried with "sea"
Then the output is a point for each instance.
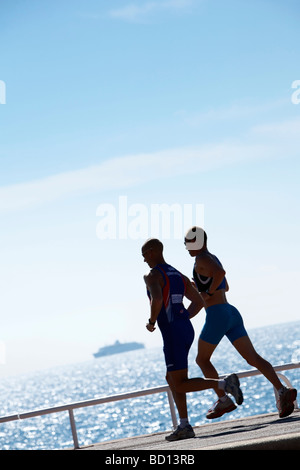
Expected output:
(121, 373)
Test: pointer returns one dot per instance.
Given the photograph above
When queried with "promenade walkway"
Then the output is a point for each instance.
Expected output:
(264, 431)
(261, 432)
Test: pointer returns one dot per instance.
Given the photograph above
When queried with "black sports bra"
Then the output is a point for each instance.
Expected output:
(203, 283)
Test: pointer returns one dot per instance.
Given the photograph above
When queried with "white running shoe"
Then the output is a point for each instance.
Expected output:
(220, 408)
(232, 386)
(285, 403)
(181, 433)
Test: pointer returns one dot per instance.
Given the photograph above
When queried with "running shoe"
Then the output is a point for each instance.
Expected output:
(232, 386)
(285, 402)
(220, 408)
(181, 433)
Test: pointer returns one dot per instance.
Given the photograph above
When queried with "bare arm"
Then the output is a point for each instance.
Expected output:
(193, 295)
(153, 284)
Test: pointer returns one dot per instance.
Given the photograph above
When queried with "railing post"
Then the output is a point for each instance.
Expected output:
(172, 408)
(73, 429)
(137, 393)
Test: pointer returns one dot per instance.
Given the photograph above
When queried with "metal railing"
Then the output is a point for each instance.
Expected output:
(138, 393)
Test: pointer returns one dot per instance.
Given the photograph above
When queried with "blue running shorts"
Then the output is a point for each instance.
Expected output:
(221, 320)
(178, 338)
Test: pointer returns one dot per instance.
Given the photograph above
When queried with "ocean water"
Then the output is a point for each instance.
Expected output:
(126, 372)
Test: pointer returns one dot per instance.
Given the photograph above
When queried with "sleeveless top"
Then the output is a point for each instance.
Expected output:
(203, 283)
(173, 293)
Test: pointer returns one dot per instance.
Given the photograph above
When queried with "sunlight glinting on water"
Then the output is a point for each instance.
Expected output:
(127, 372)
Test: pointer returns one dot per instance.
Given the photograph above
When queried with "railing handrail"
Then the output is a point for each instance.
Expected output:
(134, 394)
(84, 403)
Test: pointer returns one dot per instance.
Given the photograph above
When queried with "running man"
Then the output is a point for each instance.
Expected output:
(224, 319)
(166, 288)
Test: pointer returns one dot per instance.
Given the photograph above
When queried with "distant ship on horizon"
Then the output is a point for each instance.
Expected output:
(118, 348)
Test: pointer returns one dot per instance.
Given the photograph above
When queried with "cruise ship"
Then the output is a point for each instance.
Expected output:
(118, 348)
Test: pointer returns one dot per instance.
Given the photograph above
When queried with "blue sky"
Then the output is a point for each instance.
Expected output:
(161, 102)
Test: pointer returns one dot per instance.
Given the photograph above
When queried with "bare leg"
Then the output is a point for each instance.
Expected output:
(205, 351)
(245, 348)
(179, 398)
(183, 385)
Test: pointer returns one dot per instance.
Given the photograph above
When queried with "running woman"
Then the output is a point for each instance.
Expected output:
(224, 319)
(166, 288)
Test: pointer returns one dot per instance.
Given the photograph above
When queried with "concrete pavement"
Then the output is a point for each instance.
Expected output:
(261, 432)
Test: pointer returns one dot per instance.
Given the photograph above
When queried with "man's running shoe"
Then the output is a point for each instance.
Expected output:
(285, 402)
(220, 408)
(181, 433)
(232, 386)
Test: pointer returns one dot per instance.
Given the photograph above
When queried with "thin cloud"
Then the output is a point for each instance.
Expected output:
(290, 128)
(140, 12)
(132, 170)
(234, 112)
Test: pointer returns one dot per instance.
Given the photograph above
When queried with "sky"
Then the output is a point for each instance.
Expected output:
(121, 120)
